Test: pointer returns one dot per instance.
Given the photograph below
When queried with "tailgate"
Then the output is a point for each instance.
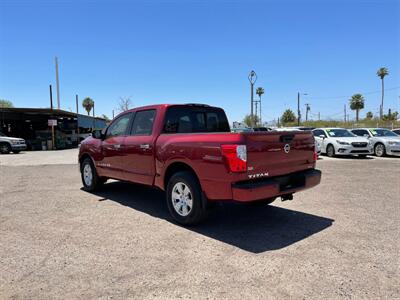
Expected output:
(278, 153)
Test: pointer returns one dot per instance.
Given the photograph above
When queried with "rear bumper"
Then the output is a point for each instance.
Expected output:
(276, 186)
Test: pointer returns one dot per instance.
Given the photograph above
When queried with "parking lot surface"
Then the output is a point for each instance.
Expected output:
(338, 240)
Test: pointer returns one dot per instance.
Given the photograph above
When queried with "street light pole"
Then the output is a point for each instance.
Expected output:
(298, 108)
(252, 79)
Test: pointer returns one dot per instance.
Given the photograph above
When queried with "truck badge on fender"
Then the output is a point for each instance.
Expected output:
(286, 148)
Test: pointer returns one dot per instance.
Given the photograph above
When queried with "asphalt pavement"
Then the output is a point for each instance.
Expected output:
(339, 240)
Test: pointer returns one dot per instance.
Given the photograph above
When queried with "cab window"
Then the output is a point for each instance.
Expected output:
(119, 126)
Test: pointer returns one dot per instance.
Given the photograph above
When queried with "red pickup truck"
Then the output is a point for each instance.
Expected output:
(189, 152)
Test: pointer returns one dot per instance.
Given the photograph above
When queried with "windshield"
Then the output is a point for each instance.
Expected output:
(339, 133)
(382, 132)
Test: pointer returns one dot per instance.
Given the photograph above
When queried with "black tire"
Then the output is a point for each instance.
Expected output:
(330, 151)
(362, 156)
(380, 150)
(5, 148)
(96, 182)
(198, 209)
(16, 151)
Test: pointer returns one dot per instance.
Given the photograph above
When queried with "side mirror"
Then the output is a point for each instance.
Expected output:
(367, 136)
(97, 134)
(322, 136)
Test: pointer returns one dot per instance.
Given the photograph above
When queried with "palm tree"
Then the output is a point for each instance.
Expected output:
(382, 72)
(88, 104)
(260, 92)
(357, 103)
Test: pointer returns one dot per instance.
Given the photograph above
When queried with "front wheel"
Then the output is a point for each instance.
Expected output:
(330, 151)
(91, 181)
(380, 150)
(5, 148)
(185, 199)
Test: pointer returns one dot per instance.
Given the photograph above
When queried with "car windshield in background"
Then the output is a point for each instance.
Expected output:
(382, 132)
(187, 119)
(339, 133)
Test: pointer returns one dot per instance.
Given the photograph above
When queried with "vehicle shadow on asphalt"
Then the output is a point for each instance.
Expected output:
(252, 228)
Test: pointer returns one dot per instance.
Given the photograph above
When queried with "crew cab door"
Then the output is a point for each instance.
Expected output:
(138, 149)
(111, 147)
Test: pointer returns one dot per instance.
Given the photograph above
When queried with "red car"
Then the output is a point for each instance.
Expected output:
(189, 152)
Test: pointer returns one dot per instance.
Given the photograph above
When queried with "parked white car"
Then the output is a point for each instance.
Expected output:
(384, 141)
(340, 141)
(8, 144)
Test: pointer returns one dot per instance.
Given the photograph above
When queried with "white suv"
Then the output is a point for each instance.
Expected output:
(340, 141)
(8, 144)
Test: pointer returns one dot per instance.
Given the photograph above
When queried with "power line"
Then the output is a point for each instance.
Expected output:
(366, 93)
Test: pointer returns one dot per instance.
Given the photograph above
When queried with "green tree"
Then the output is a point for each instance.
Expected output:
(249, 120)
(288, 116)
(357, 103)
(88, 104)
(391, 116)
(382, 72)
(369, 115)
(6, 103)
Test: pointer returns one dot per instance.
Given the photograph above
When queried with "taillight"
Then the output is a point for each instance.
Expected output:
(236, 157)
(315, 153)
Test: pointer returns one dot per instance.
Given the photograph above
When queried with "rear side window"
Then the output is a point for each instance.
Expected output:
(143, 122)
(187, 119)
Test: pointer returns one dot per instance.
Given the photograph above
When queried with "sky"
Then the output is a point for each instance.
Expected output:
(175, 51)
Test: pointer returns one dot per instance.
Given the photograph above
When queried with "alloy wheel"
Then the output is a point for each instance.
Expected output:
(182, 199)
(87, 174)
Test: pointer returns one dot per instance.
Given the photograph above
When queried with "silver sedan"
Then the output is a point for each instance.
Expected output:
(384, 141)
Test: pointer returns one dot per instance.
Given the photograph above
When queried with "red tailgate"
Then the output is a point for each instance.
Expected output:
(278, 153)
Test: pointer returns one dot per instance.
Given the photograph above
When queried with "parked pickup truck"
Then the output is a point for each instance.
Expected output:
(189, 152)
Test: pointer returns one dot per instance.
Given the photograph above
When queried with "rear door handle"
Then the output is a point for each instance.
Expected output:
(144, 146)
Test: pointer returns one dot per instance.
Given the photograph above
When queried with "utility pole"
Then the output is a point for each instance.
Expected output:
(252, 79)
(51, 97)
(57, 84)
(319, 116)
(307, 110)
(94, 120)
(77, 117)
(113, 114)
(298, 109)
(345, 113)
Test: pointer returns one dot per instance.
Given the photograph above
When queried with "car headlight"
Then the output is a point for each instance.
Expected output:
(14, 142)
(342, 142)
(393, 143)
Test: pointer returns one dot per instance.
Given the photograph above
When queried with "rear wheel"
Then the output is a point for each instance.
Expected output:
(380, 150)
(330, 151)
(185, 198)
(5, 148)
(91, 181)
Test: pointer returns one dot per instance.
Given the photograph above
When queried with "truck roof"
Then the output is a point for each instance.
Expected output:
(155, 106)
